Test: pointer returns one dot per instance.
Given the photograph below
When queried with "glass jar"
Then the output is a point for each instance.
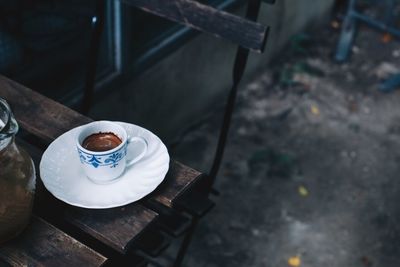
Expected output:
(17, 178)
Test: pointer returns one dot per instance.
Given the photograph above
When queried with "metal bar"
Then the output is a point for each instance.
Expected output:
(375, 23)
(346, 35)
(237, 73)
(185, 243)
(97, 25)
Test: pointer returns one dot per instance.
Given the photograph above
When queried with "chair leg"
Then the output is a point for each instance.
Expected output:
(239, 66)
(347, 34)
(185, 243)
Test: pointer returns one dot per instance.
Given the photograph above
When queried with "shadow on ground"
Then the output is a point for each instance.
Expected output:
(312, 164)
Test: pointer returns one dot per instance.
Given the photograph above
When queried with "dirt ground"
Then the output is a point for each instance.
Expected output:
(312, 164)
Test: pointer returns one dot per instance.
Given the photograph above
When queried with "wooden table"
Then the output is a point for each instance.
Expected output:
(63, 235)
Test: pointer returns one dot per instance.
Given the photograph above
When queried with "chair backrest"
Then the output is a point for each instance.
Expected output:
(244, 32)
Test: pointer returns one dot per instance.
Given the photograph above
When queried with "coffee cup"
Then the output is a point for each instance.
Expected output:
(103, 148)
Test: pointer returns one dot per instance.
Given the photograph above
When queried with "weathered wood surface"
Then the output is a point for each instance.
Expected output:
(38, 114)
(55, 119)
(191, 13)
(41, 244)
(179, 179)
(116, 227)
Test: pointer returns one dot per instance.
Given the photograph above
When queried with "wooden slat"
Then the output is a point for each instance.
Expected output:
(191, 13)
(41, 244)
(195, 203)
(179, 179)
(153, 243)
(116, 227)
(26, 103)
(173, 222)
(38, 114)
(47, 125)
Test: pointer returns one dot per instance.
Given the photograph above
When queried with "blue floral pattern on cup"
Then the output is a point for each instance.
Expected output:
(111, 159)
(94, 161)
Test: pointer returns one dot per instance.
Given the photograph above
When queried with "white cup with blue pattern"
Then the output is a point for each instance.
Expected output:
(104, 167)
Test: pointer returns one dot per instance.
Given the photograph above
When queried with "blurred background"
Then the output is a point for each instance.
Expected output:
(145, 59)
(310, 173)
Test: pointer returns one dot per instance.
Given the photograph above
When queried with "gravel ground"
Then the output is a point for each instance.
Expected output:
(311, 166)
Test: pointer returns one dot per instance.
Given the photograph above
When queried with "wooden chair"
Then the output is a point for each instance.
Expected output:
(250, 36)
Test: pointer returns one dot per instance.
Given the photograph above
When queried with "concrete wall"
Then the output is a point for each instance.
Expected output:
(189, 83)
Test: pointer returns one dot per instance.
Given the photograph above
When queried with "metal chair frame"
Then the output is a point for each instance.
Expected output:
(237, 74)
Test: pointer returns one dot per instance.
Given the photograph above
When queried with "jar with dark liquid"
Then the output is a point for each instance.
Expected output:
(17, 178)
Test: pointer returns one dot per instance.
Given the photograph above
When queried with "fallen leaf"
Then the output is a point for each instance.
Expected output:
(294, 261)
(386, 38)
(303, 191)
(315, 110)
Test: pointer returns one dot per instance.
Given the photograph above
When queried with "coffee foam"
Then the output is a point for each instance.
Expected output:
(2, 124)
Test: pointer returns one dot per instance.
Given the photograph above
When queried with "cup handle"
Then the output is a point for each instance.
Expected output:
(138, 157)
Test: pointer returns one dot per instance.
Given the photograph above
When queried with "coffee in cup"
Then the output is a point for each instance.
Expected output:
(103, 149)
(99, 142)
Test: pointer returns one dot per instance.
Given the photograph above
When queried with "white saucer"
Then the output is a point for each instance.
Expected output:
(63, 176)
